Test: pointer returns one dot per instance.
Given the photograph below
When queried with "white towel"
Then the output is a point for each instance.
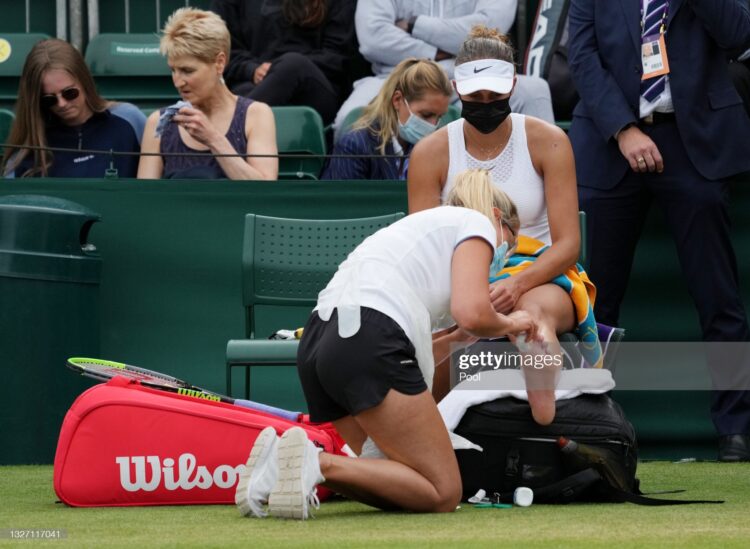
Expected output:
(572, 383)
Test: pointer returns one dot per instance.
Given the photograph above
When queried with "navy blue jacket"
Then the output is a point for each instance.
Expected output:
(362, 141)
(604, 59)
(119, 128)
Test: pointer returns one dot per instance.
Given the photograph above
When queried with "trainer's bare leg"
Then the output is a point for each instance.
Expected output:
(351, 432)
(421, 472)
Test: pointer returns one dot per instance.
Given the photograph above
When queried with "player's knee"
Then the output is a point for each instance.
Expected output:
(534, 309)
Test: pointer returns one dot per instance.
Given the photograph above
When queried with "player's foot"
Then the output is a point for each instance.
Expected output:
(540, 388)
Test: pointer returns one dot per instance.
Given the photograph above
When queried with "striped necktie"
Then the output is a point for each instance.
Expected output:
(652, 88)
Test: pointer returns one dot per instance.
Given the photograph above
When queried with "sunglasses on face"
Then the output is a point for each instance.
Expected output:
(509, 227)
(512, 232)
(50, 100)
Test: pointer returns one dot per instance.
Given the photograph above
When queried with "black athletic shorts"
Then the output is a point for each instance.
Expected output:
(345, 376)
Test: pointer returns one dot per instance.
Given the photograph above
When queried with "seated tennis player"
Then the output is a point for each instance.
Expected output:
(365, 360)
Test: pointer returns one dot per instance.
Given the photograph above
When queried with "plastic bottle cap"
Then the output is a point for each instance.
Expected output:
(523, 496)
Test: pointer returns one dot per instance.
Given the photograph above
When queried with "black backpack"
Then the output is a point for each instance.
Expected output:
(519, 452)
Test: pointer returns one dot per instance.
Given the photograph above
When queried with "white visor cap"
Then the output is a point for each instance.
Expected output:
(484, 74)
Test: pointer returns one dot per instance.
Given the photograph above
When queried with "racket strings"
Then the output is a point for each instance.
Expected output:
(131, 372)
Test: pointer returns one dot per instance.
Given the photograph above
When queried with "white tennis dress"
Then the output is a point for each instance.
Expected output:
(511, 170)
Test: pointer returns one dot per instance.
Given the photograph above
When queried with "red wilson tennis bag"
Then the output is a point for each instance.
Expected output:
(124, 444)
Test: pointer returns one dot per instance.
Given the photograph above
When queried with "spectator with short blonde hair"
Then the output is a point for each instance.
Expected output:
(196, 43)
(195, 33)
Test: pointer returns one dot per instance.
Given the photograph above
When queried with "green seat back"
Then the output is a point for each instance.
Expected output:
(286, 262)
(14, 47)
(350, 119)
(6, 121)
(129, 67)
(114, 54)
(453, 113)
(299, 130)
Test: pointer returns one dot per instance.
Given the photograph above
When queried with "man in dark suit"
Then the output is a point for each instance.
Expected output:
(659, 121)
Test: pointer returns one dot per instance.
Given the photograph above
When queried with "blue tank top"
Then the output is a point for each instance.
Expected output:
(177, 167)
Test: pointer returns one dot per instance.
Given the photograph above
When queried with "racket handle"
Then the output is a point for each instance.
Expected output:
(273, 410)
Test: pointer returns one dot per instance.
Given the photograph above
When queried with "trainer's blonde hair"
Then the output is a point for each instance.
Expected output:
(196, 33)
(474, 189)
(413, 78)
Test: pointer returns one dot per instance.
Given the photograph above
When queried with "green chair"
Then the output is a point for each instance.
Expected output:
(14, 47)
(285, 264)
(453, 113)
(350, 119)
(6, 121)
(129, 67)
(299, 131)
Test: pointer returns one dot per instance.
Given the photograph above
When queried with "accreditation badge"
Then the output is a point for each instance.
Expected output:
(654, 56)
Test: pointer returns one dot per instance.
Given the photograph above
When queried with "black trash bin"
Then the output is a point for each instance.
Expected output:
(49, 286)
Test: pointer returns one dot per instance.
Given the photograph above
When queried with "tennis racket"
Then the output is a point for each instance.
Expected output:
(104, 370)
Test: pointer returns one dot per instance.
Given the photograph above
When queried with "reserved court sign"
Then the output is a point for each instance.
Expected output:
(119, 48)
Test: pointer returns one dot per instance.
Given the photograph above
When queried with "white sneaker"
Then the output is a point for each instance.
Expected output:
(299, 473)
(260, 475)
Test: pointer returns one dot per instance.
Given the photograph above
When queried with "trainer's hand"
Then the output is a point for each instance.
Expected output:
(522, 322)
(640, 151)
(260, 72)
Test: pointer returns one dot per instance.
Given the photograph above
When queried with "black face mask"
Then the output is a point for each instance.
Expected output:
(485, 117)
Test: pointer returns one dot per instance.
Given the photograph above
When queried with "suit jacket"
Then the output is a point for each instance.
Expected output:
(362, 141)
(605, 64)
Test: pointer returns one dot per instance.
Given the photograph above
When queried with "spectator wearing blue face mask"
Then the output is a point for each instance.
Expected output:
(407, 108)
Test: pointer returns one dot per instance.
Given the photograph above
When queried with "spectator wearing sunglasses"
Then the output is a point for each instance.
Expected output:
(58, 107)
(407, 108)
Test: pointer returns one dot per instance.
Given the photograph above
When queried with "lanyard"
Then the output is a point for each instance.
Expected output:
(662, 23)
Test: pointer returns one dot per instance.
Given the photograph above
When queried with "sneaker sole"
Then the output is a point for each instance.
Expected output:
(286, 499)
(260, 450)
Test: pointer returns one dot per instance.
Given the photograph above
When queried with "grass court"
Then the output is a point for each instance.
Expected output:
(28, 501)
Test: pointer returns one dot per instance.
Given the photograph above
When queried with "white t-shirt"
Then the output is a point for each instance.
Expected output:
(404, 271)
